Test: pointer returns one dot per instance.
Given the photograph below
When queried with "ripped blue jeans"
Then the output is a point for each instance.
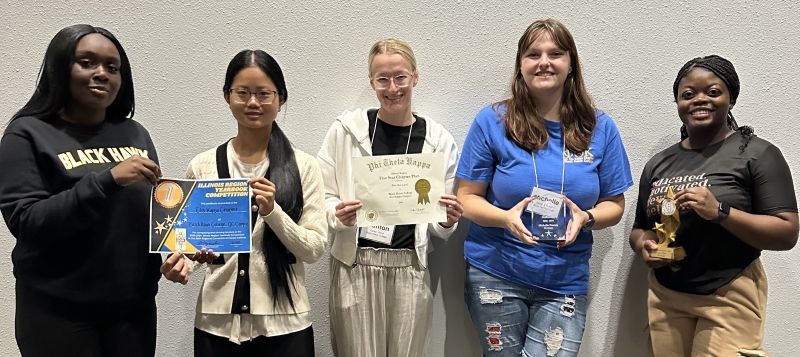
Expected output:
(513, 320)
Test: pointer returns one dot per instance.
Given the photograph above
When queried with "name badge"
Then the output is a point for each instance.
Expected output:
(380, 234)
(545, 203)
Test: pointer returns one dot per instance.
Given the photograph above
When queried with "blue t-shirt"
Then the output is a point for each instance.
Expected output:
(489, 156)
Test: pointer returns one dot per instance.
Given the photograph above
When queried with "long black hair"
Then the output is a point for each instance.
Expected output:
(724, 70)
(52, 90)
(283, 172)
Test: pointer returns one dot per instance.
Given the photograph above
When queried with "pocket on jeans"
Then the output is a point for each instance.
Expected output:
(486, 289)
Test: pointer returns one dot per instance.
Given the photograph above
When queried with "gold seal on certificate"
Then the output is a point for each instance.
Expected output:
(666, 230)
(399, 189)
(372, 215)
(423, 187)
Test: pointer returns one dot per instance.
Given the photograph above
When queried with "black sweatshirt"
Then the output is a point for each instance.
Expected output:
(81, 238)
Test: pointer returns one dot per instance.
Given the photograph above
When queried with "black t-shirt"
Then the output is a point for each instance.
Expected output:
(756, 180)
(392, 140)
(81, 238)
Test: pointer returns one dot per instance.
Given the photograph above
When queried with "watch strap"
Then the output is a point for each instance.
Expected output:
(723, 210)
(587, 227)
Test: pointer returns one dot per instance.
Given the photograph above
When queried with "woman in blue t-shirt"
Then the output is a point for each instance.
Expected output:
(528, 274)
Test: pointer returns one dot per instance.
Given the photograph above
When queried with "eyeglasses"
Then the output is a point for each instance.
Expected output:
(400, 81)
(243, 95)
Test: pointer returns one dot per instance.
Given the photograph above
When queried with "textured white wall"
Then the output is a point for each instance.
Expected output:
(631, 52)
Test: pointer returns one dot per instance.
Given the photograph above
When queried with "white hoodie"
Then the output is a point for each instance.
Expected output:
(348, 137)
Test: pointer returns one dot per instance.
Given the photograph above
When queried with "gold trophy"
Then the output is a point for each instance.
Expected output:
(670, 221)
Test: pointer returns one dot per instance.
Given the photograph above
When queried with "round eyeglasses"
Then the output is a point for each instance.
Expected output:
(243, 95)
(400, 81)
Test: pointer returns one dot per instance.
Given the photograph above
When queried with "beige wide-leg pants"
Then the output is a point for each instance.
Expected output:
(382, 306)
(729, 322)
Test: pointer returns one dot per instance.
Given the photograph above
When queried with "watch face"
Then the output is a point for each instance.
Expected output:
(667, 207)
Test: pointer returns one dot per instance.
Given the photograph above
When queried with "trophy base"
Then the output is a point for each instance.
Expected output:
(671, 253)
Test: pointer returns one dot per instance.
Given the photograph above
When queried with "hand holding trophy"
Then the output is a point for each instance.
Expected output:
(670, 221)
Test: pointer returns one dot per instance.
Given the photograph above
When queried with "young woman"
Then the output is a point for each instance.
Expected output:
(735, 196)
(256, 304)
(75, 194)
(527, 277)
(381, 302)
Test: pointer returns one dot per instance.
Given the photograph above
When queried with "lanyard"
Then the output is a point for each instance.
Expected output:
(563, 166)
(410, 129)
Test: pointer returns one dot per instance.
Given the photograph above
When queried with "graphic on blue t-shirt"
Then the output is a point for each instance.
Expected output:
(488, 156)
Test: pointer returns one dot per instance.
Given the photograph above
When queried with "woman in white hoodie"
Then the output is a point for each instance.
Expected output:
(380, 298)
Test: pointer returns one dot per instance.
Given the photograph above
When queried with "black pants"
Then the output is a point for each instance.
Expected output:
(45, 329)
(296, 344)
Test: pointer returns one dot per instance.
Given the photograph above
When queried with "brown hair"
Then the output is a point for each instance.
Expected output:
(524, 126)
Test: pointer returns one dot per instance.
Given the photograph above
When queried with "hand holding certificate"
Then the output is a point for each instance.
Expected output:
(399, 189)
(189, 215)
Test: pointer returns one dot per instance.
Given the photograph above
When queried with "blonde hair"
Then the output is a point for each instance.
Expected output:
(392, 45)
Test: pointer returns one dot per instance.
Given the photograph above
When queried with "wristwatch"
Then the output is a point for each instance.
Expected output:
(587, 227)
(723, 211)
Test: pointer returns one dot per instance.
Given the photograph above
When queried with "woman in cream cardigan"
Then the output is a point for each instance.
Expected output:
(256, 304)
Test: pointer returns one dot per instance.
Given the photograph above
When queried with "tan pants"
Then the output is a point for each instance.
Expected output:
(729, 322)
(382, 306)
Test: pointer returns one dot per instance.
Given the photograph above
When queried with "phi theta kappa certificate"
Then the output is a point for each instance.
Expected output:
(189, 215)
(399, 189)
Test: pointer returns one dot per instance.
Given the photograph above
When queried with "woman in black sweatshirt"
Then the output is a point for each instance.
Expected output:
(74, 191)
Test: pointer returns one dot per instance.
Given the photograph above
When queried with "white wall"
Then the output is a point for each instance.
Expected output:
(631, 52)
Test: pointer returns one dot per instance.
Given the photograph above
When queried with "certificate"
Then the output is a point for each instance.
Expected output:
(399, 189)
(189, 215)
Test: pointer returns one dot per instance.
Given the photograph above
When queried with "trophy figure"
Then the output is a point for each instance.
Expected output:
(670, 220)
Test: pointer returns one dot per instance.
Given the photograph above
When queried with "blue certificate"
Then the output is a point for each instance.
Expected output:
(189, 215)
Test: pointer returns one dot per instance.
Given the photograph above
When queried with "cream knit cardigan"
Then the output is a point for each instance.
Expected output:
(305, 239)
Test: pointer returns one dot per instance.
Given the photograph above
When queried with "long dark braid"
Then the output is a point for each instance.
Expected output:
(283, 172)
(723, 69)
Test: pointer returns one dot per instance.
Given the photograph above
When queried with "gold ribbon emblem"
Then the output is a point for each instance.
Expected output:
(423, 187)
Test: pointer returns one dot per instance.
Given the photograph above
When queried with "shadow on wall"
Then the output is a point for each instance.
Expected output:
(628, 306)
(446, 265)
(631, 307)
(631, 336)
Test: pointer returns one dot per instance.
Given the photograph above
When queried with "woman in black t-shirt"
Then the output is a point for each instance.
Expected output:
(735, 198)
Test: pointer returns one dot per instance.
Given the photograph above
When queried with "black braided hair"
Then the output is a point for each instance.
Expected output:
(723, 69)
(283, 172)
